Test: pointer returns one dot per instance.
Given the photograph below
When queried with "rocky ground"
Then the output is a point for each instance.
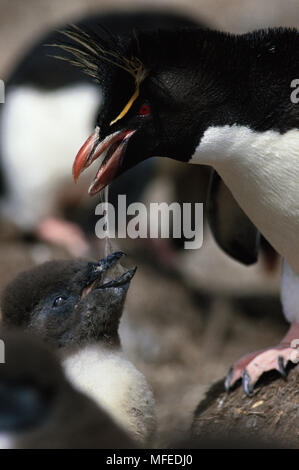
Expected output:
(267, 419)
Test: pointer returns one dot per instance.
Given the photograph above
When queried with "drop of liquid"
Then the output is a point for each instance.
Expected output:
(118, 269)
(105, 198)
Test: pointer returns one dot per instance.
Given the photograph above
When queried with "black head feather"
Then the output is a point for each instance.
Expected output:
(96, 51)
(68, 302)
(195, 79)
(31, 287)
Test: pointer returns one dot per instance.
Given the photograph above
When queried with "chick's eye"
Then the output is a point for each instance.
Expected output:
(144, 110)
(59, 301)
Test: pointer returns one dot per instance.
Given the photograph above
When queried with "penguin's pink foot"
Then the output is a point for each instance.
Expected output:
(251, 367)
(60, 232)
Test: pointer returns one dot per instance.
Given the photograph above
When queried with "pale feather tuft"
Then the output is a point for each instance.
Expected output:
(87, 51)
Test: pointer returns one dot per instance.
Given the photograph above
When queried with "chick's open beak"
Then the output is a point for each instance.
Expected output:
(97, 276)
(111, 149)
(106, 264)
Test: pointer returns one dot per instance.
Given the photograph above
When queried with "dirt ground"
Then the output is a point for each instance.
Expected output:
(268, 419)
(183, 329)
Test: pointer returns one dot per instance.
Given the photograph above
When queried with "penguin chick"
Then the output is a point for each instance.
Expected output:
(74, 306)
(40, 409)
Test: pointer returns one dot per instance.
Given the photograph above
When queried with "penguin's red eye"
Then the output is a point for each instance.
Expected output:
(144, 110)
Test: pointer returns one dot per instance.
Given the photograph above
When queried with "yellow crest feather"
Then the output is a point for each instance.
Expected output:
(90, 52)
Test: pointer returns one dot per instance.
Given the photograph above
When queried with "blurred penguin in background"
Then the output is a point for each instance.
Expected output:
(39, 409)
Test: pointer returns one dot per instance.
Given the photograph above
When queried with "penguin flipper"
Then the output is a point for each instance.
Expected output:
(231, 228)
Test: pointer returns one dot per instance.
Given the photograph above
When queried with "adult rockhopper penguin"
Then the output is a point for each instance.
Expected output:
(75, 307)
(39, 409)
(210, 98)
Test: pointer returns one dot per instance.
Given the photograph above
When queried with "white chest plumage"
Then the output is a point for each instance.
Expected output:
(116, 385)
(7, 441)
(262, 172)
(41, 131)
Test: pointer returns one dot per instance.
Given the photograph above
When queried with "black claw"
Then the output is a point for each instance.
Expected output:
(281, 366)
(228, 379)
(248, 387)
